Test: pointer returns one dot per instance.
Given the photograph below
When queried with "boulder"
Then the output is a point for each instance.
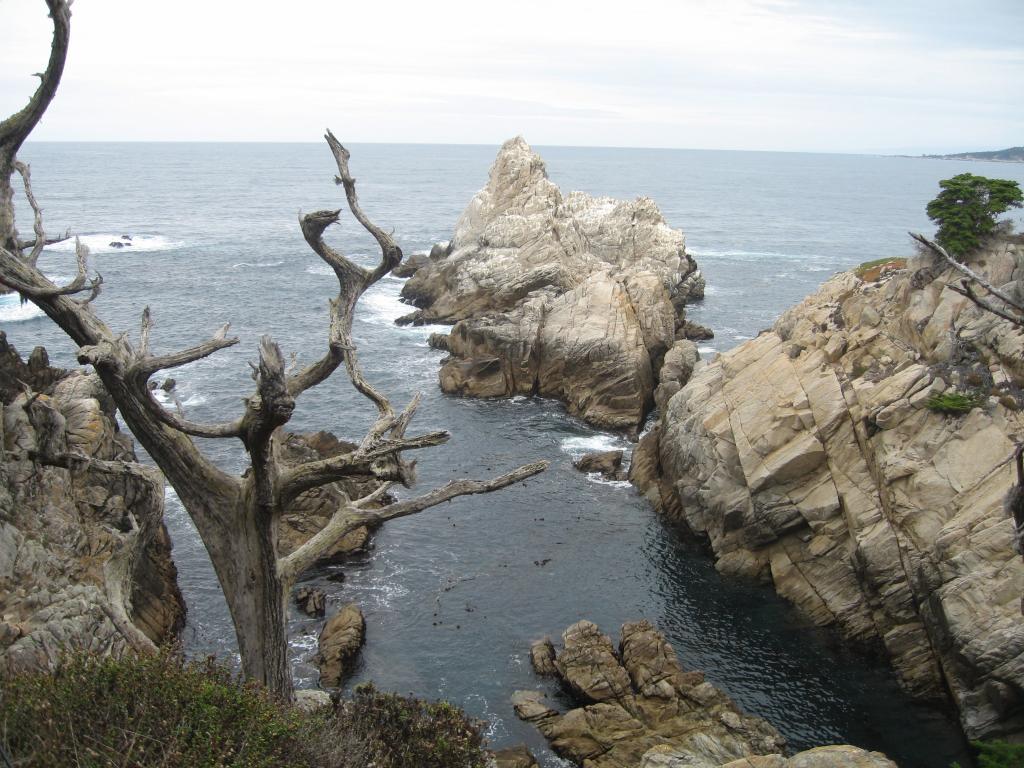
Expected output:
(572, 297)
(810, 458)
(636, 698)
(606, 463)
(514, 757)
(339, 642)
(311, 601)
(834, 756)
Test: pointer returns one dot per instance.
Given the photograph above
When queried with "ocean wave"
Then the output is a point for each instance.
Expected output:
(13, 311)
(101, 243)
(735, 253)
(579, 446)
(257, 264)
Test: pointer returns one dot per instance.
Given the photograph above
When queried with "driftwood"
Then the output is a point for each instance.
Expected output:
(236, 516)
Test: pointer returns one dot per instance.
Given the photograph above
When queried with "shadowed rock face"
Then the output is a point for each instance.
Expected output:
(80, 549)
(575, 297)
(809, 458)
(634, 698)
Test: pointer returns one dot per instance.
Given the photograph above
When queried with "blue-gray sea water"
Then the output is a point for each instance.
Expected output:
(454, 597)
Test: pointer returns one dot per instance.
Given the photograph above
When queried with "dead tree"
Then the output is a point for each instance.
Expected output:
(237, 517)
(1003, 306)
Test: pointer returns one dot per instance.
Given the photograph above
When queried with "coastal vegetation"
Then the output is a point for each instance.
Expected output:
(154, 711)
(955, 403)
(967, 210)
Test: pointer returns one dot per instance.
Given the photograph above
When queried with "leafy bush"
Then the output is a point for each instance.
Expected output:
(150, 712)
(398, 732)
(998, 754)
(955, 403)
(146, 711)
(967, 207)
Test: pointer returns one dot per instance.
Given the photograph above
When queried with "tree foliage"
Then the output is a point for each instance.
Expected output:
(967, 208)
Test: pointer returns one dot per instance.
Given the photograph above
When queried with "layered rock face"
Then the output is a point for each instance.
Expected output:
(816, 457)
(634, 699)
(84, 555)
(572, 297)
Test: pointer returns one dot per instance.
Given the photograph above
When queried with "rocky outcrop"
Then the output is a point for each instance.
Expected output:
(818, 458)
(339, 642)
(637, 697)
(572, 297)
(514, 757)
(836, 756)
(84, 556)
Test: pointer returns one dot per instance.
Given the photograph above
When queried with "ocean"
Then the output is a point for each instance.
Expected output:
(454, 597)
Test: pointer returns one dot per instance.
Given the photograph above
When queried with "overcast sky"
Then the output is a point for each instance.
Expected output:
(827, 75)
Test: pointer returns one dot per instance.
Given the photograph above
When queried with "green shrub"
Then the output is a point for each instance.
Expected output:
(399, 732)
(161, 712)
(955, 403)
(146, 711)
(998, 754)
(967, 207)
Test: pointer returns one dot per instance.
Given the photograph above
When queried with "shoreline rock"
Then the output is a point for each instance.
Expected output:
(339, 642)
(85, 559)
(635, 698)
(811, 458)
(572, 297)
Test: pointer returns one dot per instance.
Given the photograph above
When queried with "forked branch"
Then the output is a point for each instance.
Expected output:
(349, 517)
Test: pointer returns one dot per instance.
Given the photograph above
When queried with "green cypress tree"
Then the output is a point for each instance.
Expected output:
(967, 207)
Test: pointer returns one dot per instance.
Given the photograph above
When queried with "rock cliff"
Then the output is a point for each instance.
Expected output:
(572, 297)
(84, 555)
(828, 457)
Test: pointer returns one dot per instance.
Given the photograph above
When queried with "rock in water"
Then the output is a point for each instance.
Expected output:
(811, 458)
(571, 297)
(514, 757)
(339, 642)
(312, 602)
(636, 698)
(605, 463)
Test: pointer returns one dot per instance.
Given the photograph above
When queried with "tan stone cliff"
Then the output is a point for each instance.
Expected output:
(809, 458)
(84, 556)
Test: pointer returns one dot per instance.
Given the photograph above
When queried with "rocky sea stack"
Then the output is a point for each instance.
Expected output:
(856, 456)
(573, 297)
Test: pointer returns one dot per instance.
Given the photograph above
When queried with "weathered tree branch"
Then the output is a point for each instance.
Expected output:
(965, 290)
(150, 364)
(37, 214)
(348, 517)
(971, 275)
(381, 461)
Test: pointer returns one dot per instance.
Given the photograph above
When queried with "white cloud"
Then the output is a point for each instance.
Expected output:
(750, 74)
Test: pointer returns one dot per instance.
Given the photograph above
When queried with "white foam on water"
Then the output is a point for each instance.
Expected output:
(13, 311)
(319, 269)
(741, 337)
(577, 447)
(257, 264)
(707, 350)
(733, 253)
(101, 244)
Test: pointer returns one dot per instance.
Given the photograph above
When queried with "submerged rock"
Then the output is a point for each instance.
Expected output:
(638, 697)
(813, 457)
(572, 297)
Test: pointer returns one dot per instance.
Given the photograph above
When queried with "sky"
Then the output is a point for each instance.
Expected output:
(903, 76)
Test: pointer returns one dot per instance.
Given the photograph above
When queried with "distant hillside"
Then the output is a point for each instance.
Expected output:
(1011, 155)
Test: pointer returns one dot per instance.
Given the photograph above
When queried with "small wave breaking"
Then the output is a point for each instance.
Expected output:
(103, 243)
(12, 310)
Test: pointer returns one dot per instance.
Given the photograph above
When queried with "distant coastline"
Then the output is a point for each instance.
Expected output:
(1010, 155)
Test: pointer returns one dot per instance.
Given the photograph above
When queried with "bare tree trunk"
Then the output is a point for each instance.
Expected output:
(236, 517)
